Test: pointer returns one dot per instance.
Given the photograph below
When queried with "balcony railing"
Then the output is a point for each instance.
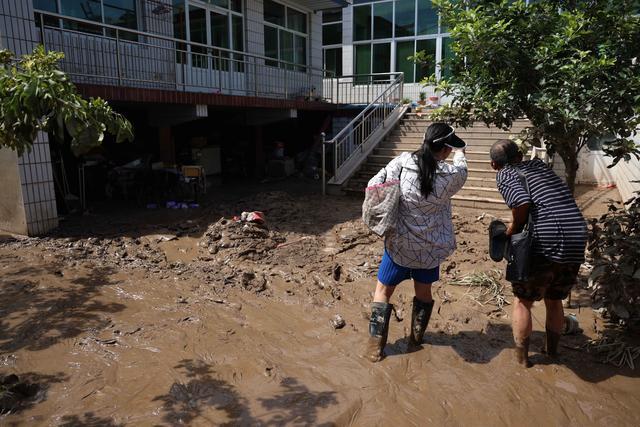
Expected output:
(106, 54)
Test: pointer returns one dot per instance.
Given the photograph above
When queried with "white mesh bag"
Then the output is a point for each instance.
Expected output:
(380, 207)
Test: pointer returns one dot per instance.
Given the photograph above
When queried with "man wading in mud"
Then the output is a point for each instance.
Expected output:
(559, 235)
(423, 236)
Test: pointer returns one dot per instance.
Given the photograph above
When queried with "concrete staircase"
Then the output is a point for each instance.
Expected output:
(480, 190)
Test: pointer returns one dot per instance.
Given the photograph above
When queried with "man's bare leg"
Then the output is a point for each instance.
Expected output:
(522, 326)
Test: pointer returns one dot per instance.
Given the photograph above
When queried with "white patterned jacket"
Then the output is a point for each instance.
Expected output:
(424, 236)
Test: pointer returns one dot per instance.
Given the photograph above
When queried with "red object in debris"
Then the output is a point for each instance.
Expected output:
(255, 216)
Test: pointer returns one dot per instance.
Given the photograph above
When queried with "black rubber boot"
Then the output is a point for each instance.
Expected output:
(552, 339)
(378, 330)
(420, 316)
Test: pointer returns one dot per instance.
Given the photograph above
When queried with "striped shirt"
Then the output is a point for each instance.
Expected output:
(559, 231)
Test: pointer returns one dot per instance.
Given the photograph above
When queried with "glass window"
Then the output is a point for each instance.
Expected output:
(274, 13)
(286, 47)
(198, 34)
(383, 20)
(382, 58)
(300, 52)
(296, 21)
(333, 60)
(429, 67)
(219, 30)
(427, 18)
(405, 18)
(362, 23)
(447, 55)
(363, 59)
(85, 9)
(403, 51)
(48, 5)
(331, 15)
(121, 13)
(332, 34)
(221, 3)
(236, 33)
(236, 5)
(180, 29)
(271, 44)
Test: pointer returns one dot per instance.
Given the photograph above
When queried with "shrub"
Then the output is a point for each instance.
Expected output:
(614, 243)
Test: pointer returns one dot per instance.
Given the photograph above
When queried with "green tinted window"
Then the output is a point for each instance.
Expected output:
(362, 23)
(403, 51)
(427, 18)
(429, 67)
(447, 55)
(383, 20)
(333, 60)
(381, 58)
(405, 18)
(363, 59)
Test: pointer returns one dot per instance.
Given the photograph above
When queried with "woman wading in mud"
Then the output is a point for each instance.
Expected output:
(423, 235)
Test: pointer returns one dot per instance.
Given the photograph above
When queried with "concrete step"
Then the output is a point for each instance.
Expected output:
(413, 132)
(471, 153)
(518, 126)
(383, 159)
(486, 192)
(483, 204)
(485, 182)
(373, 168)
(481, 139)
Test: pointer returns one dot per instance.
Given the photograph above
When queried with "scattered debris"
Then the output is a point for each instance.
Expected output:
(337, 322)
(614, 351)
(484, 288)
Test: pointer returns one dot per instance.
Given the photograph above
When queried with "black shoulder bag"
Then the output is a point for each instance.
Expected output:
(521, 247)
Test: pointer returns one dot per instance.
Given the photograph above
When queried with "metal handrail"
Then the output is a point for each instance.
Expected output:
(362, 127)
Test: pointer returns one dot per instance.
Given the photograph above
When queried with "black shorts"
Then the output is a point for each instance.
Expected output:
(550, 280)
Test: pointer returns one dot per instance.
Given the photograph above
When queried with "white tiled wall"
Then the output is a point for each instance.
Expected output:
(38, 191)
(18, 33)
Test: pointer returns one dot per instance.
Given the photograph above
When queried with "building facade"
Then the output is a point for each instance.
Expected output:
(229, 67)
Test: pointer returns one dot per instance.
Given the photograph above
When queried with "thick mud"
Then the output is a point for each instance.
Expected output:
(173, 318)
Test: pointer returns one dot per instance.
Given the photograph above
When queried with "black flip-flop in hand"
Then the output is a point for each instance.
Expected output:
(498, 240)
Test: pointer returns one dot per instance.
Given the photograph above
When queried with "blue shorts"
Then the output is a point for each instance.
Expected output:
(390, 273)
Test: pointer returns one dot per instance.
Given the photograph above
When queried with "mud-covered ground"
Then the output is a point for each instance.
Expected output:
(189, 318)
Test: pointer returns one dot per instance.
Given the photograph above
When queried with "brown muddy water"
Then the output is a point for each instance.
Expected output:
(166, 319)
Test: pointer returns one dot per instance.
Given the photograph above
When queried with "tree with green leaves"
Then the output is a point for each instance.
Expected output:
(36, 96)
(572, 67)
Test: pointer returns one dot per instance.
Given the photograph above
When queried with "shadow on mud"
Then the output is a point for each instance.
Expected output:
(21, 392)
(88, 419)
(193, 399)
(483, 346)
(39, 314)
